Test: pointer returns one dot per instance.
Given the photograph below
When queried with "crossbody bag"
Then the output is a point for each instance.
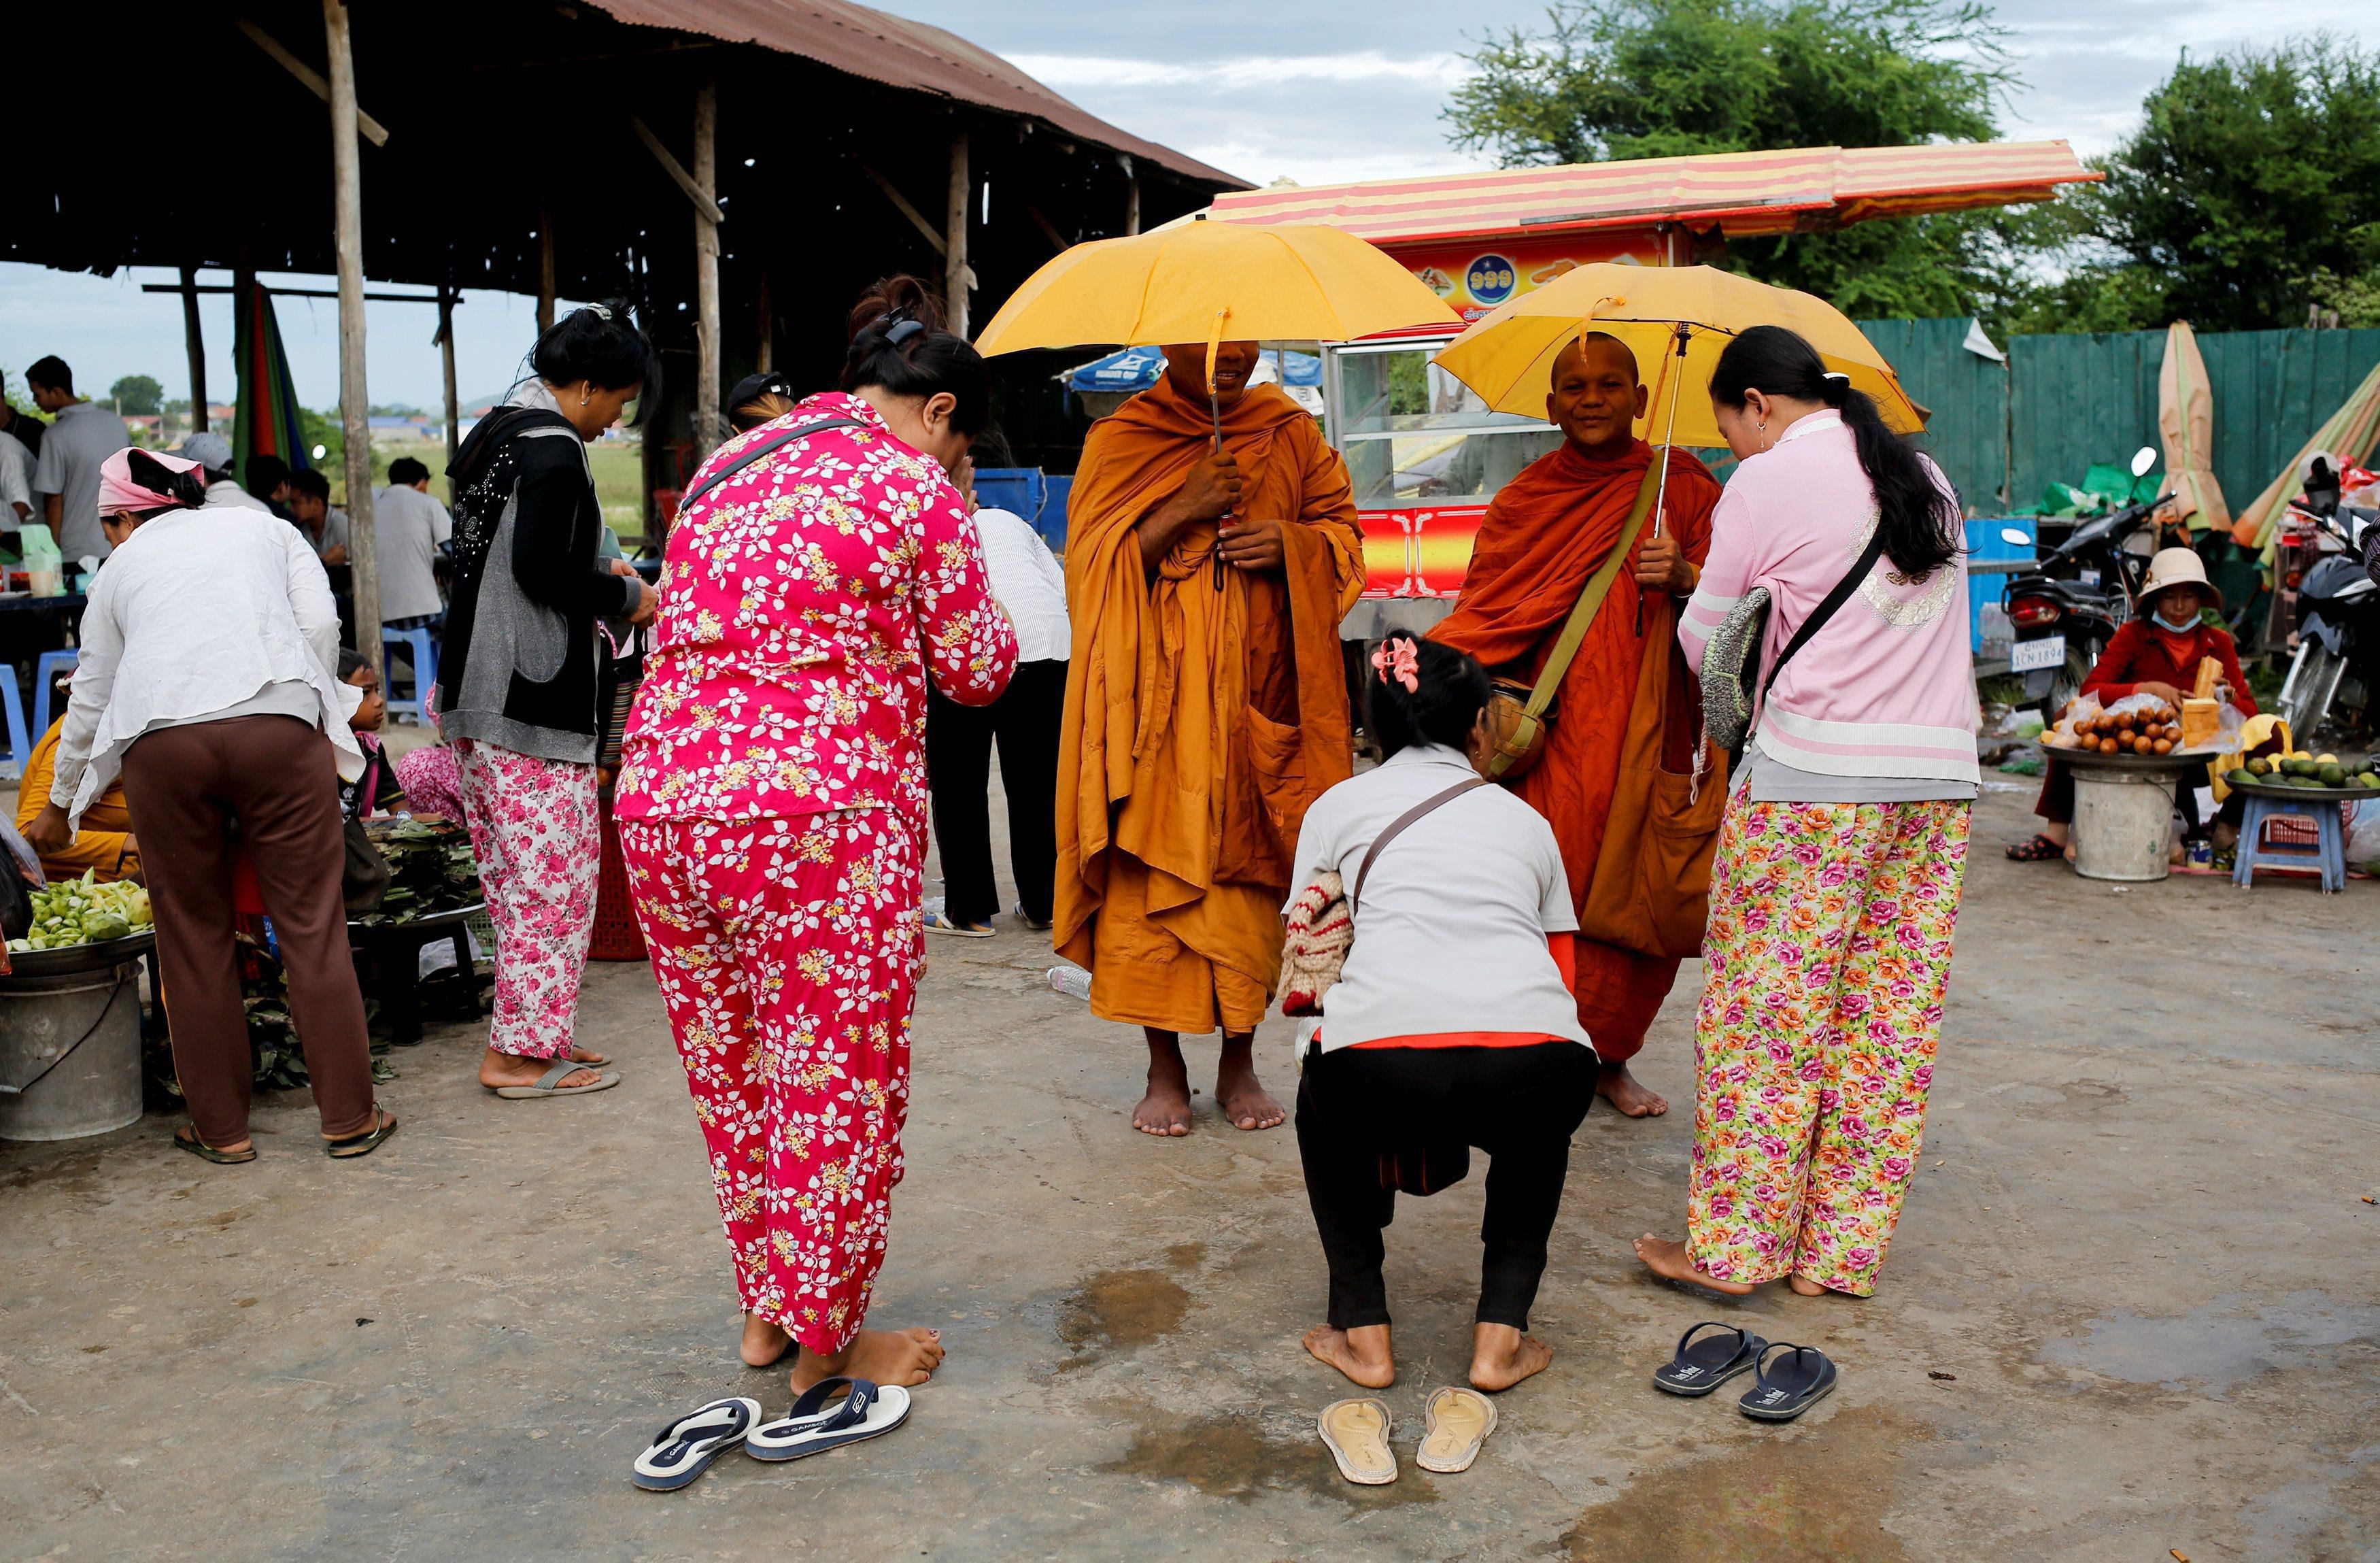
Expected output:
(1731, 669)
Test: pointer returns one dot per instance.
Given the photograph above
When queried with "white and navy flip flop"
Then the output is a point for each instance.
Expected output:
(685, 1449)
(830, 1413)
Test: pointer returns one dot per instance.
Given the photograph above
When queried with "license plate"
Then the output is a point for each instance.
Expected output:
(2030, 656)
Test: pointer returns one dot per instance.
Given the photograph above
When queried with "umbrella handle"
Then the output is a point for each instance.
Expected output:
(1214, 410)
(1661, 493)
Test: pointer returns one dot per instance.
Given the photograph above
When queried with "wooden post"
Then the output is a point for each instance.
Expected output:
(1131, 196)
(766, 359)
(544, 271)
(955, 274)
(446, 358)
(355, 401)
(195, 340)
(706, 270)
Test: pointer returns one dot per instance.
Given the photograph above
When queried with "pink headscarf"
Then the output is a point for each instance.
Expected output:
(118, 491)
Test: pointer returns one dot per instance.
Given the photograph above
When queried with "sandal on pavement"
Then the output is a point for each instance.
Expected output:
(942, 923)
(2040, 850)
(1806, 1378)
(1701, 1366)
(685, 1449)
(830, 1413)
(363, 1144)
(550, 1083)
(1356, 1433)
(1460, 1421)
(188, 1138)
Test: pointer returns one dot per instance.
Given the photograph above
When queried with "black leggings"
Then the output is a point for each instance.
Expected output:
(1023, 721)
(1519, 1105)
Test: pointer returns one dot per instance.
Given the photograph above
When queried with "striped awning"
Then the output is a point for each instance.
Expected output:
(1795, 190)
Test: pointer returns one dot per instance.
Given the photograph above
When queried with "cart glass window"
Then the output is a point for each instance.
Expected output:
(1414, 435)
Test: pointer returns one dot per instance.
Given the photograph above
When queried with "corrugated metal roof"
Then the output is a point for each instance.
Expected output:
(899, 53)
(1749, 193)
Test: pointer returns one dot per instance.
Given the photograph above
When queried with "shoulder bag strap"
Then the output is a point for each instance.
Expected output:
(1825, 610)
(1598, 586)
(773, 442)
(1397, 825)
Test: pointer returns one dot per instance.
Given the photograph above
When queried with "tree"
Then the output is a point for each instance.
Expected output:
(137, 394)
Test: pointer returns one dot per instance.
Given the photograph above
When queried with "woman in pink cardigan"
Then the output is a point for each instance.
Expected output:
(1837, 879)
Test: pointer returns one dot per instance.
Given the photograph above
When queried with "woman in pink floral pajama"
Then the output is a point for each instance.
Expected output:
(773, 806)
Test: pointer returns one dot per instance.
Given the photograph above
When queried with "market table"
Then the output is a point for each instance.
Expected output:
(2123, 808)
(395, 949)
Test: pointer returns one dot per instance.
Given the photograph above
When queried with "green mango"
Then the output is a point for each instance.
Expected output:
(2240, 778)
(2332, 775)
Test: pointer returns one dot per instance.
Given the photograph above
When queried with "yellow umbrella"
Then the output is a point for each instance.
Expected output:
(2186, 420)
(1508, 356)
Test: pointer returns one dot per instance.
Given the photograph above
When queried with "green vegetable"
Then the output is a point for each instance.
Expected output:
(83, 912)
(2240, 778)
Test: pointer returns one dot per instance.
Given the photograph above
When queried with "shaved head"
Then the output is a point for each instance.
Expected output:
(1595, 397)
(1582, 352)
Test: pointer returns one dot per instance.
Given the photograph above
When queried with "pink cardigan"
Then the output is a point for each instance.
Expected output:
(1887, 688)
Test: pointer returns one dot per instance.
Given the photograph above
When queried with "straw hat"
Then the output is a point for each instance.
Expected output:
(2177, 567)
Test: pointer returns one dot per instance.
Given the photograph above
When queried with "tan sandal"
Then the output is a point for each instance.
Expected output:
(1356, 1434)
(1460, 1421)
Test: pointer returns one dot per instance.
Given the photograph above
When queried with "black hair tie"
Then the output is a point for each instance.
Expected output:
(903, 330)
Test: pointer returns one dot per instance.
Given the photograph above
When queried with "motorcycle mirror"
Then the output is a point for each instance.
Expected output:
(2142, 459)
(2012, 534)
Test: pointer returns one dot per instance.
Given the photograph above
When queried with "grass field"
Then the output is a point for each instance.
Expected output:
(619, 478)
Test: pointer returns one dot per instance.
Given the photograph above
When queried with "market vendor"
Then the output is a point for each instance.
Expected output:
(2157, 654)
(104, 846)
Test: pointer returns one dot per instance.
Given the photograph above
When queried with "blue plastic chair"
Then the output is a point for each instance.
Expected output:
(421, 649)
(2330, 851)
(20, 748)
(45, 673)
(1052, 519)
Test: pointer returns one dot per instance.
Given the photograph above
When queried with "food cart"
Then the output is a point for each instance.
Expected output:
(1426, 456)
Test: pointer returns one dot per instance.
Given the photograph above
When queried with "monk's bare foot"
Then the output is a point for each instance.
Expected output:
(1668, 1261)
(510, 1068)
(1632, 1096)
(1501, 1357)
(904, 1357)
(1241, 1096)
(1804, 1287)
(1360, 1353)
(763, 1342)
(1165, 1111)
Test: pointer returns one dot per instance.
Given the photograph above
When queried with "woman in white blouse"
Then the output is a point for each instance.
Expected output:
(1452, 1024)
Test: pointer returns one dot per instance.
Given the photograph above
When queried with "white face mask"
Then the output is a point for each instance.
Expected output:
(2180, 627)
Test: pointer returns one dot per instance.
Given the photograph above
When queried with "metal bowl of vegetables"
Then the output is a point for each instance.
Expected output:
(81, 925)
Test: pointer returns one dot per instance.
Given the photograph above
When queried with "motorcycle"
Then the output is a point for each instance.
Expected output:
(2338, 604)
(2065, 610)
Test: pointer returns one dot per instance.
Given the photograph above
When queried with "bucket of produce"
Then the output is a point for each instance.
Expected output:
(70, 1013)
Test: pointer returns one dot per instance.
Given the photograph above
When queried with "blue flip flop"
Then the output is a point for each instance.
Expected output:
(685, 1449)
(1701, 1366)
(1804, 1379)
(830, 1413)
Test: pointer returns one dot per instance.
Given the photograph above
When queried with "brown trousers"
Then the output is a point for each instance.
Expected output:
(275, 777)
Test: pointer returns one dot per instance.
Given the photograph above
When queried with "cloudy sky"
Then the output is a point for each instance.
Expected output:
(1311, 90)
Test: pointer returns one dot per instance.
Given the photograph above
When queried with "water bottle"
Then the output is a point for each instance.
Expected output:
(1072, 981)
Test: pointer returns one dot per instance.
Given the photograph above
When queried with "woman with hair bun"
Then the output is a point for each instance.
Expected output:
(517, 693)
(1835, 889)
(1453, 1022)
(772, 796)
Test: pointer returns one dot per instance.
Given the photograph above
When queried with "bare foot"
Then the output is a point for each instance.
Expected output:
(1165, 1111)
(1360, 1353)
(1668, 1261)
(1241, 1096)
(589, 1056)
(1804, 1287)
(904, 1357)
(763, 1342)
(1501, 1357)
(510, 1068)
(1632, 1096)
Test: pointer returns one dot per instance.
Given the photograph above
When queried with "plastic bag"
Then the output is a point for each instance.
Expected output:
(2087, 713)
(43, 564)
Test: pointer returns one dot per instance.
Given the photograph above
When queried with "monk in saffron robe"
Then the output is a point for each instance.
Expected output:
(1206, 708)
(1547, 532)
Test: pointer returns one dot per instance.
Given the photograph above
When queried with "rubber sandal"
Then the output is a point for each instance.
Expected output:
(1356, 1434)
(550, 1083)
(1804, 1381)
(940, 922)
(2040, 850)
(685, 1449)
(1701, 1366)
(830, 1413)
(1460, 1421)
(363, 1144)
(187, 1137)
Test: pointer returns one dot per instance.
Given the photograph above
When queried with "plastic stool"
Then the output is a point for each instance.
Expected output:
(20, 748)
(421, 650)
(2329, 854)
(45, 673)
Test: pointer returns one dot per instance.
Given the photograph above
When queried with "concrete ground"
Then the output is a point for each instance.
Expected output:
(2134, 1305)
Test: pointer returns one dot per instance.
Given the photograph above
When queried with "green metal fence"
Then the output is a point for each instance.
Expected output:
(1965, 396)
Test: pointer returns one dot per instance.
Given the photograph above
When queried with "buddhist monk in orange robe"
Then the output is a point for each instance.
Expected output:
(1546, 533)
(1206, 708)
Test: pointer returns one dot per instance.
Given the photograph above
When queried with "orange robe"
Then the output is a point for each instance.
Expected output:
(102, 842)
(1545, 533)
(1199, 724)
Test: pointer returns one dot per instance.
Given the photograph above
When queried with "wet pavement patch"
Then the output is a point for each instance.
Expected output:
(2214, 1348)
(1120, 1311)
(1237, 1455)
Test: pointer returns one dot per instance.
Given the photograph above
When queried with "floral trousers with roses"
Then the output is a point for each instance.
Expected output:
(788, 951)
(1825, 961)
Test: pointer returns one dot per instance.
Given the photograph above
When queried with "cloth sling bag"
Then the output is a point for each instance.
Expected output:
(1322, 927)
(1731, 669)
(1519, 713)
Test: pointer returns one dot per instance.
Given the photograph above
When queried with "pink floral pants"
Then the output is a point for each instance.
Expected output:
(540, 843)
(1825, 962)
(788, 953)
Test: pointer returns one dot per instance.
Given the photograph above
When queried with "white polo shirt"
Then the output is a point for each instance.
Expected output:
(1450, 928)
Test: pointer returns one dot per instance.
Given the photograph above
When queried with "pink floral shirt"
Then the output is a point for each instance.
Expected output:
(804, 601)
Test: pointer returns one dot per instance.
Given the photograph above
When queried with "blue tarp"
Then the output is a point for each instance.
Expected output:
(1136, 369)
